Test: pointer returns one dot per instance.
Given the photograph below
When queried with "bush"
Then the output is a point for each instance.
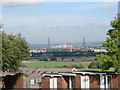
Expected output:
(40, 60)
(62, 58)
(72, 60)
(53, 59)
(72, 66)
(76, 66)
(94, 65)
(65, 66)
(45, 59)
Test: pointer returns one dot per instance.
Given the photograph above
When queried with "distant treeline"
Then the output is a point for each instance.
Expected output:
(66, 54)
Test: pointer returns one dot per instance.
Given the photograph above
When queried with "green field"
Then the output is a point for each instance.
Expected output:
(1, 86)
(111, 70)
(82, 66)
(57, 64)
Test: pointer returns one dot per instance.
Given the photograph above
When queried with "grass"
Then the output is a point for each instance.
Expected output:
(90, 69)
(1, 86)
(63, 64)
(111, 70)
(55, 64)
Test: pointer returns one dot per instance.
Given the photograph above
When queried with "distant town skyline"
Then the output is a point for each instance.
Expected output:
(60, 21)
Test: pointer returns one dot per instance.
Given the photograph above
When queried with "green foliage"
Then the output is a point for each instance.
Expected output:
(77, 66)
(21, 74)
(73, 66)
(56, 64)
(94, 65)
(14, 48)
(112, 59)
(45, 59)
(53, 59)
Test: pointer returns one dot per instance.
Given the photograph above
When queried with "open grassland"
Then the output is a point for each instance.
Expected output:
(57, 64)
(111, 70)
(82, 66)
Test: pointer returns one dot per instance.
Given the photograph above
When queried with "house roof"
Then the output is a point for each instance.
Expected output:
(52, 75)
(94, 72)
(37, 72)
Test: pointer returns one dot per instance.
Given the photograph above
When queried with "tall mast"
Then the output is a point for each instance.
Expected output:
(48, 44)
(84, 42)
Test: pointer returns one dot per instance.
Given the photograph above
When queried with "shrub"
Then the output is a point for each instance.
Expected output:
(40, 60)
(65, 66)
(72, 66)
(53, 59)
(72, 60)
(94, 65)
(45, 59)
(77, 66)
(62, 58)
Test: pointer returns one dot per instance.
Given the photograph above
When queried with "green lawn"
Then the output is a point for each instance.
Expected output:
(55, 64)
(111, 70)
(1, 86)
(83, 66)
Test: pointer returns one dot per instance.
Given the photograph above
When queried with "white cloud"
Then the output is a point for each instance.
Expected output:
(19, 2)
(81, 0)
(106, 6)
(22, 1)
(9, 3)
(58, 27)
(37, 1)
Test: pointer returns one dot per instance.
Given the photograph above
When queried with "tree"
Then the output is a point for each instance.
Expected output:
(14, 49)
(112, 59)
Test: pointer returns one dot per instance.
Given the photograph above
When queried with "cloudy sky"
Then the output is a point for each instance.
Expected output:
(63, 22)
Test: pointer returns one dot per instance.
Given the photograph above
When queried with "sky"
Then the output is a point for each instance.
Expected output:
(62, 22)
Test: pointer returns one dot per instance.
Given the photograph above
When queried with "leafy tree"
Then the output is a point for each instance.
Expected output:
(53, 59)
(45, 59)
(94, 65)
(112, 59)
(0, 48)
(14, 48)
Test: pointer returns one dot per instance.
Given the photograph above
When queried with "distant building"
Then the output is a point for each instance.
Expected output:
(37, 50)
(58, 48)
(64, 47)
(100, 50)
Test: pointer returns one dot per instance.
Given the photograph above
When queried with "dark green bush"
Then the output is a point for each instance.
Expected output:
(40, 60)
(94, 65)
(53, 59)
(77, 66)
(45, 59)
(65, 66)
(73, 66)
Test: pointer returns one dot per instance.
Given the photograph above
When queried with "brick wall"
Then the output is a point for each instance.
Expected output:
(45, 82)
(77, 81)
(19, 82)
(66, 81)
(94, 81)
(119, 81)
(116, 81)
(61, 82)
(15, 81)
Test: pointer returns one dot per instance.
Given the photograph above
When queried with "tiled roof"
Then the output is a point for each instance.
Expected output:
(37, 72)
